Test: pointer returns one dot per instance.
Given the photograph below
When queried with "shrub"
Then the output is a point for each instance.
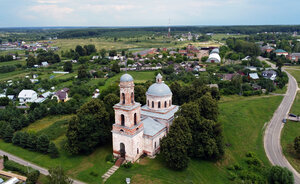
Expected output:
(127, 165)
(109, 158)
(93, 174)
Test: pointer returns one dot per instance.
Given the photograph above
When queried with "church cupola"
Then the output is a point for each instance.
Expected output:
(159, 78)
(126, 90)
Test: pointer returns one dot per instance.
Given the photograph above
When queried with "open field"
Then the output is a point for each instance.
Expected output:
(126, 43)
(237, 131)
(14, 62)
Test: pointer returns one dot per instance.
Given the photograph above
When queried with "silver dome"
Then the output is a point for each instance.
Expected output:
(126, 78)
(159, 89)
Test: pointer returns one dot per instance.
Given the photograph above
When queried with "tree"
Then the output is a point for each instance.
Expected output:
(43, 143)
(4, 101)
(16, 138)
(82, 73)
(30, 61)
(115, 68)
(139, 94)
(8, 134)
(68, 66)
(174, 146)
(204, 58)
(112, 53)
(102, 53)
(280, 175)
(297, 144)
(215, 93)
(32, 177)
(110, 100)
(89, 128)
(58, 176)
(32, 142)
(80, 50)
(208, 107)
(53, 151)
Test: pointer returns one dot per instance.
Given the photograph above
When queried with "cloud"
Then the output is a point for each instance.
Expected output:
(51, 1)
(51, 11)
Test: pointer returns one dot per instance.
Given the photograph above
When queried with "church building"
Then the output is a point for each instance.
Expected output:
(138, 130)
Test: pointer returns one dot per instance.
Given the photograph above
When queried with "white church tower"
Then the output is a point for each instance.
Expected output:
(127, 132)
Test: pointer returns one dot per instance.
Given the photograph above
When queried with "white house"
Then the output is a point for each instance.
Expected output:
(27, 96)
(13, 180)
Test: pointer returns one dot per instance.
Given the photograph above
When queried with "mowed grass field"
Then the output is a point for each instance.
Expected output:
(295, 71)
(243, 120)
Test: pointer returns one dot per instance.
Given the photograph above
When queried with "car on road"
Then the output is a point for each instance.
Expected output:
(293, 115)
(284, 120)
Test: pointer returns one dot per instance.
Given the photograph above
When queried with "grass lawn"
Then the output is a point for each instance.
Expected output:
(14, 62)
(46, 122)
(13, 75)
(243, 119)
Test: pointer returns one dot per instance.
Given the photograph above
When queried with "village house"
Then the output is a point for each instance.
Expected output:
(280, 52)
(269, 74)
(62, 95)
(253, 76)
(293, 57)
(27, 96)
(267, 49)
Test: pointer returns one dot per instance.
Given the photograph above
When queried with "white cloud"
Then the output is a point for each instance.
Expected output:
(51, 11)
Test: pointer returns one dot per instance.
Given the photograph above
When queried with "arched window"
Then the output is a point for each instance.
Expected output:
(123, 98)
(159, 105)
(170, 103)
(137, 151)
(165, 104)
(122, 120)
(135, 120)
(132, 98)
(152, 104)
(148, 103)
(155, 145)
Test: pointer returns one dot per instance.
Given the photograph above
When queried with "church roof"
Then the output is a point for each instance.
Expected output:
(159, 89)
(152, 127)
(145, 111)
(126, 78)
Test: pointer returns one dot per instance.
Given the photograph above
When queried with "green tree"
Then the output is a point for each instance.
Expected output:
(8, 134)
(89, 128)
(103, 53)
(53, 151)
(82, 73)
(68, 66)
(32, 142)
(4, 101)
(139, 94)
(208, 107)
(297, 144)
(115, 67)
(30, 61)
(58, 176)
(16, 138)
(215, 93)
(80, 50)
(110, 100)
(43, 143)
(174, 146)
(280, 175)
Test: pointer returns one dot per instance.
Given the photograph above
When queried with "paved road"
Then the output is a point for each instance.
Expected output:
(273, 131)
(26, 163)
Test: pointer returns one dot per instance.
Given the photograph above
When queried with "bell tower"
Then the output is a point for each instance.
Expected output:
(128, 128)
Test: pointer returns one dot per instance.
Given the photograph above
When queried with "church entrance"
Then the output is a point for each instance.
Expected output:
(122, 150)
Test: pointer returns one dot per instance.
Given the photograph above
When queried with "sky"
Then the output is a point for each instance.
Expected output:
(39, 13)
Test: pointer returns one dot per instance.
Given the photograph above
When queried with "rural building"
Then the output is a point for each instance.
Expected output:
(27, 96)
(269, 74)
(280, 52)
(139, 130)
(267, 49)
(293, 57)
(253, 76)
(62, 95)
(214, 56)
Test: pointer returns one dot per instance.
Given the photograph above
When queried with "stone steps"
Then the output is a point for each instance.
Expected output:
(111, 171)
